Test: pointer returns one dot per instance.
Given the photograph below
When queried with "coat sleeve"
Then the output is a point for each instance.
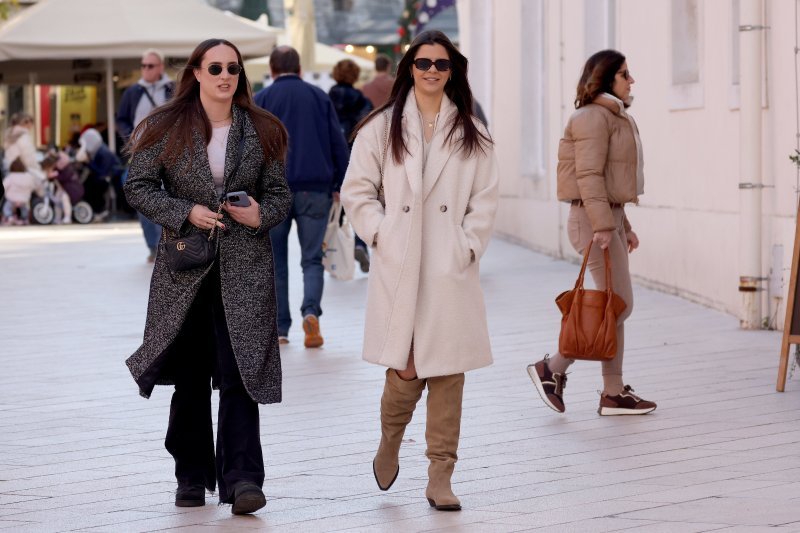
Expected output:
(144, 192)
(482, 207)
(125, 114)
(590, 134)
(363, 180)
(273, 196)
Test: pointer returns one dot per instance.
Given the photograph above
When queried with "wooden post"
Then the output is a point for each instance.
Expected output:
(791, 325)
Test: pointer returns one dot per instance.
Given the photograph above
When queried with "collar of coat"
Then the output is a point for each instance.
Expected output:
(240, 124)
(439, 152)
(612, 103)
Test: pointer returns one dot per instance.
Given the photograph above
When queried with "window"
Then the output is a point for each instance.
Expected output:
(687, 84)
(532, 74)
(734, 91)
(599, 24)
(477, 37)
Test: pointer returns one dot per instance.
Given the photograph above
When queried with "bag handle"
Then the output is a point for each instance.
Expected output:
(606, 260)
(235, 170)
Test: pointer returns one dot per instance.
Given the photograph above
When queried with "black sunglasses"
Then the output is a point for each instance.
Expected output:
(215, 69)
(148, 66)
(423, 64)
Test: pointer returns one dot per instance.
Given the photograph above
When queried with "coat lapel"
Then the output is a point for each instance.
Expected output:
(203, 170)
(232, 148)
(439, 151)
(412, 128)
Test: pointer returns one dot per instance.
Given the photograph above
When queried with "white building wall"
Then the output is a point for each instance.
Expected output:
(688, 218)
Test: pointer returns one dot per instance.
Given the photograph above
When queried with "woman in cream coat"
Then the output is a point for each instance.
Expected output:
(426, 318)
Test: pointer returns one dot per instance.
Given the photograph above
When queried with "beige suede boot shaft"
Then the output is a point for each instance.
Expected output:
(442, 431)
(398, 402)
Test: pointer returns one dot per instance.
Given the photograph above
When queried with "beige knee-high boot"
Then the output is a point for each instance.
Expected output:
(398, 402)
(441, 433)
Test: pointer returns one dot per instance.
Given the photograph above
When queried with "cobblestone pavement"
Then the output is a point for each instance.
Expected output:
(81, 451)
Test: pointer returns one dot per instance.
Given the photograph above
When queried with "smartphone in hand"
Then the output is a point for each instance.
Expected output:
(238, 198)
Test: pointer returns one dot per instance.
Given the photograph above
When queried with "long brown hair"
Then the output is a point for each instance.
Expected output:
(184, 113)
(598, 76)
(457, 90)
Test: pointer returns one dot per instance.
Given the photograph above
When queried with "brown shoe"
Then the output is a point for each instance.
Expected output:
(549, 385)
(624, 403)
(313, 336)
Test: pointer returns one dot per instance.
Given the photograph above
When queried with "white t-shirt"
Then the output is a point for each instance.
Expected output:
(216, 155)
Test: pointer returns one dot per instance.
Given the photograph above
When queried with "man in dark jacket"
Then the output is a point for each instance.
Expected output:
(315, 168)
(153, 89)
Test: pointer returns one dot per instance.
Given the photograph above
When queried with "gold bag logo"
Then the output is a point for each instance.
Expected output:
(181, 245)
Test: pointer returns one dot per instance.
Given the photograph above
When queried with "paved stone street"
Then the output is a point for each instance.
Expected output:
(81, 451)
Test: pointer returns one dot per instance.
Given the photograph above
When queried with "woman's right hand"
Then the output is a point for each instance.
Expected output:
(204, 218)
(603, 238)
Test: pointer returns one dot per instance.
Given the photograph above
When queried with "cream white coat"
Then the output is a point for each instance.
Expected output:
(423, 282)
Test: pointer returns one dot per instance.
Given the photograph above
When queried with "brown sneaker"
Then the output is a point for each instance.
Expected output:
(624, 403)
(313, 336)
(550, 385)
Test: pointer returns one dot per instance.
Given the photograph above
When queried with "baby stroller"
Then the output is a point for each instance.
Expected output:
(61, 175)
(44, 211)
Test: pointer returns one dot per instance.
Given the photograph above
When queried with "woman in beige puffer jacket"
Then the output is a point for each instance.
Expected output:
(600, 169)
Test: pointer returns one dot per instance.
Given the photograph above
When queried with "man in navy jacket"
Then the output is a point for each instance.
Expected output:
(315, 168)
(153, 89)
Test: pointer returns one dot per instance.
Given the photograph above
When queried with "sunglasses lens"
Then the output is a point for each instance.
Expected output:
(442, 65)
(234, 70)
(215, 70)
(423, 64)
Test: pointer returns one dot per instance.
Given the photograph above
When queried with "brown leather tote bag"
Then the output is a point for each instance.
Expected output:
(589, 318)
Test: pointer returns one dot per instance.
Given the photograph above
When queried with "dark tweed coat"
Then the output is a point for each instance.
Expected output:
(244, 256)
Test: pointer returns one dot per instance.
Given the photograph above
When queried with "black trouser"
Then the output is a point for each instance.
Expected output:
(202, 351)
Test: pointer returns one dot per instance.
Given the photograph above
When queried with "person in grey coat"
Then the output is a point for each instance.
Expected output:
(213, 325)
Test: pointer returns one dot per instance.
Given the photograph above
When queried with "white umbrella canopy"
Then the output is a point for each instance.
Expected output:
(325, 57)
(71, 29)
(61, 41)
(302, 29)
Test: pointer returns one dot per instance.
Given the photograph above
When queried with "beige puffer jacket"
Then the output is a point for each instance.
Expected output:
(598, 161)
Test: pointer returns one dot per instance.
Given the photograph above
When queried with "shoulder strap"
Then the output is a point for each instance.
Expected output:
(385, 141)
(147, 94)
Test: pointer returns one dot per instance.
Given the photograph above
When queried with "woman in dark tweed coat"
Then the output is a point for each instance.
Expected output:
(214, 324)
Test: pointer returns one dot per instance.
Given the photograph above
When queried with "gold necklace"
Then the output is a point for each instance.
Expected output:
(218, 121)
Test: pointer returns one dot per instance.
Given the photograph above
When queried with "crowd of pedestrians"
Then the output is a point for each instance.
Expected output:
(218, 177)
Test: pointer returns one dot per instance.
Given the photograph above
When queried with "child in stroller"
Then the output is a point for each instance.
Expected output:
(19, 186)
(63, 195)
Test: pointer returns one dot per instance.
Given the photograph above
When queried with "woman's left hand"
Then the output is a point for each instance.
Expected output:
(633, 241)
(249, 216)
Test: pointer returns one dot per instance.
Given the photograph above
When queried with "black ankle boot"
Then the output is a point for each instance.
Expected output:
(247, 498)
(190, 495)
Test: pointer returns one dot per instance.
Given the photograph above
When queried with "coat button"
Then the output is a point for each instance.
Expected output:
(406, 209)
(443, 208)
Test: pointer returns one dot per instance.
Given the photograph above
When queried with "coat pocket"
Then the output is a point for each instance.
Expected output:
(464, 252)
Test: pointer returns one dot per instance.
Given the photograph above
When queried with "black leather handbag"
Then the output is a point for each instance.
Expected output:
(197, 250)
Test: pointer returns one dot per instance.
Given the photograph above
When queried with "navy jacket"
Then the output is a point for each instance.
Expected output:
(127, 107)
(351, 106)
(318, 154)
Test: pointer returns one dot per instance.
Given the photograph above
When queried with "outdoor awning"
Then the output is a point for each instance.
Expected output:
(79, 41)
(70, 29)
